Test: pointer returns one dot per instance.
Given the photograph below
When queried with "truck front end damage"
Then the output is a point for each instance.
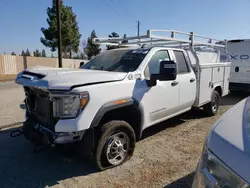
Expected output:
(43, 110)
(55, 108)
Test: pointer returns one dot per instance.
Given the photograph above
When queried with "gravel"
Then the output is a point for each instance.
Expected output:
(11, 97)
(166, 157)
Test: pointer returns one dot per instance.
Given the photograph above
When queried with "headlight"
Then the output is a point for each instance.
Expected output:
(225, 177)
(69, 105)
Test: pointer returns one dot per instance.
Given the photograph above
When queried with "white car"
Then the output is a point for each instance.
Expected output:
(225, 158)
(108, 102)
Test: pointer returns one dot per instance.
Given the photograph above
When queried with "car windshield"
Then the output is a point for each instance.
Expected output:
(117, 61)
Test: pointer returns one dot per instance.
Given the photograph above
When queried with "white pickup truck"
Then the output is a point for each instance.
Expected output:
(105, 105)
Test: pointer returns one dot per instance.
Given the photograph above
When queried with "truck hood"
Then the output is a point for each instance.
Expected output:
(230, 138)
(65, 78)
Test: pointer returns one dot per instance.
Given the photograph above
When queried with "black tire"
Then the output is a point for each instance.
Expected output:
(107, 131)
(212, 107)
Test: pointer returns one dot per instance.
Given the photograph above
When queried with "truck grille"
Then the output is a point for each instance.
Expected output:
(40, 107)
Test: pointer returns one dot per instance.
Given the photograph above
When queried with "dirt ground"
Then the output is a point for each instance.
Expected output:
(166, 156)
(8, 77)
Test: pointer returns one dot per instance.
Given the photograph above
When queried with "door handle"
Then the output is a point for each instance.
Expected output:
(192, 80)
(174, 83)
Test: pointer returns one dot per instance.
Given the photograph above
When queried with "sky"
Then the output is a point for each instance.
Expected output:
(21, 20)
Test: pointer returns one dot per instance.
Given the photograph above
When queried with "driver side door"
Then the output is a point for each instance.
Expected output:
(162, 100)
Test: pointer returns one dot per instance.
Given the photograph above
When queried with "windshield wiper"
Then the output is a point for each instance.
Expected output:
(114, 67)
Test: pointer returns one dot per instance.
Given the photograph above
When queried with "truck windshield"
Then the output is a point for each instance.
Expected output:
(117, 61)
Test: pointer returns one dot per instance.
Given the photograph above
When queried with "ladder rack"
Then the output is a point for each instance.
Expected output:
(168, 38)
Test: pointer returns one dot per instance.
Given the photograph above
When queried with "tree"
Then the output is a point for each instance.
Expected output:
(70, 30)
(92, 49)
(83, 44)
(13, 53)
(43, 53)
(83, 55)
(125, 41)
(23, 53)
(27, 52)
(37, 53)
(113, 35)
(82, 50)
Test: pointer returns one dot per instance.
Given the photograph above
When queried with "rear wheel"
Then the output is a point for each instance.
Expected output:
(212, 107)
(116, 144)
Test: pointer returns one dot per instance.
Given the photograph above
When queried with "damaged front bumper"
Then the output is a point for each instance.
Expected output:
(62, 138)
(36, 132)
(85, 139)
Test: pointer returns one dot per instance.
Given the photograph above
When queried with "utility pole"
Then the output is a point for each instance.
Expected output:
(138, 28)
(58, 11)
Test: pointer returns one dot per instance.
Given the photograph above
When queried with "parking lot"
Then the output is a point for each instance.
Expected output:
(166, 156)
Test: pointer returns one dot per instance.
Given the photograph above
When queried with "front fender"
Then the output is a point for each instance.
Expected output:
(111, 106)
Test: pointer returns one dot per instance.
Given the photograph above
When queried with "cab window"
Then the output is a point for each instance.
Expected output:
(181, 61)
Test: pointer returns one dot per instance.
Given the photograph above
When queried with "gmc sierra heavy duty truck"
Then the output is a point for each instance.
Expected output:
(107, 103)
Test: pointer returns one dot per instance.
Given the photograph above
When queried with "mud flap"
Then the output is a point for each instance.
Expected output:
(87, 144)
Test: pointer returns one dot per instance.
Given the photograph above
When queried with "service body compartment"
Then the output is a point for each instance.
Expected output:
(212, 76)
(205, 85)
(218, 74)
(226, 80)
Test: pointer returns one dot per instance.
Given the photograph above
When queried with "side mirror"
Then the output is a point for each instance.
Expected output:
(81, 64)
(168, 71)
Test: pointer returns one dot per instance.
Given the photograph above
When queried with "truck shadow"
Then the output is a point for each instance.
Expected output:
(225, 103)
(184, 182)
(233, 98)
(173, 122)
(21, 167)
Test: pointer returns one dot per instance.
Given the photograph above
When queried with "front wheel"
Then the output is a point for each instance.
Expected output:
(116, 144)
(212, 107)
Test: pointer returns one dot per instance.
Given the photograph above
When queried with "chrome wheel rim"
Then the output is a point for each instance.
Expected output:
(117, 148)
(215, 103)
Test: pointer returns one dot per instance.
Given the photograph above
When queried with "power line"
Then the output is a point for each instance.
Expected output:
(128, 13)
(126, 10)
(245, 34)
(113, 10)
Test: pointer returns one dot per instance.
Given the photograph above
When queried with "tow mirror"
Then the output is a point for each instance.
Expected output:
(167, 72)
(81, 64)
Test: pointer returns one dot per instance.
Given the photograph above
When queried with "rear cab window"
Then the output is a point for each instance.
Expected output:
(181, 62)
